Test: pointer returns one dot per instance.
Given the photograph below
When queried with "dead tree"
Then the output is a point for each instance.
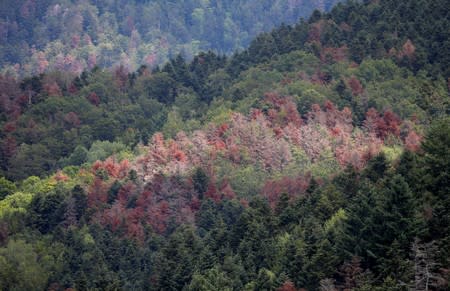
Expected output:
(425, 266)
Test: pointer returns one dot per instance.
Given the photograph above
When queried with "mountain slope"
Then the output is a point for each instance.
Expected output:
(409, 75)
(38, 36)
(296, 164)
(413, 33)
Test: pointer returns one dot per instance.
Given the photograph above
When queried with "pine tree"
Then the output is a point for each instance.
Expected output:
(357, 239)
(396, 213)
(201, 181)
(376, 168)
(437, 165)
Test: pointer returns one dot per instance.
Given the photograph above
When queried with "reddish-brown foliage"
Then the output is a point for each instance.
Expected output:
(355, 86)
(384, 125)
(315, 31)
(72, 89)
(334, 54)
(114, 169)
(61, 177)
(175, 152)
(320, 78)
(287, 286)
(412, 141)
(226, 191)
(151, 60)
(408, 50)
(351, 271)
(284, 110)
(294, 186)
(4, 233)
(72, 119)
(9, 147)
(10, 94)
(115, 216)
(125, 192)
(391, 123)
(75, 40)
(92, 60)
(98, 193)
(211, 191)
(264, 138)
(42, 62)
(93, 98)
(9, 127)
(244, 202)
(345, 27)
(121, 77)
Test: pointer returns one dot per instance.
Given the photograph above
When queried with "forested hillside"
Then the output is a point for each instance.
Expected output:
(46, 35)
(316, 159)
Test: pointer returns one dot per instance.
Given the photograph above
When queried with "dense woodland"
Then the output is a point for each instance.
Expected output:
(316, 159)
(38, 36)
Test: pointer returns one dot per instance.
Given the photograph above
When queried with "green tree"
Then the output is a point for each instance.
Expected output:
(265, 281)
(212, 279)
(201, 181)
(6, 187)
(381, 225)
(21, 267)
(437, 174)
(437, 157)
(175, 263)
(30, 160)
(46, 210)
(252, 236)
(376, 168)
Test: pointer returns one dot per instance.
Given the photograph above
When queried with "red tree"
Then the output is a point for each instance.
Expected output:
(72, 119)
(412, 141)
(384, 125)
(355, 86)
(98, 193)
(93, 98)
(294, 186)
(287, 286)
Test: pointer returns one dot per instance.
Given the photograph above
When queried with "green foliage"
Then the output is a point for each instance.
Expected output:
(6, 188)
(174, 124)
(335, 221)
(100, 150)
(201, 181)
(13, 209)
(436, 176)
(22, 268)
(325, 166)
(214, 279)
(35, 185)
(437, 155)
(246, 180)
(138, 32)
(128, 107)
(331, 218)
(30, 160)
(176, 261)
(46, 211)
(376, 168)
(77, 158)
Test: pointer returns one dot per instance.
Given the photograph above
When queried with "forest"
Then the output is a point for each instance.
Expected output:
(314, 156)
(38, 36)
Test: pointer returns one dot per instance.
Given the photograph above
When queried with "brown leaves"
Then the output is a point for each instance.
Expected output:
(267, 138)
